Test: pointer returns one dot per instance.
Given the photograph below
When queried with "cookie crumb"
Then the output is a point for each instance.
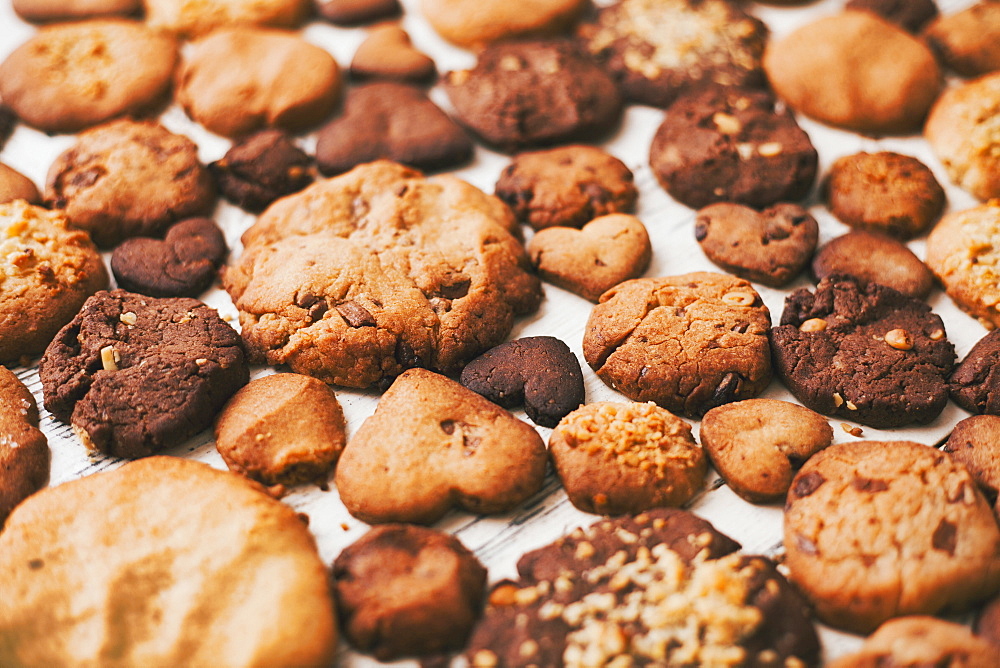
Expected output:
(852, 430)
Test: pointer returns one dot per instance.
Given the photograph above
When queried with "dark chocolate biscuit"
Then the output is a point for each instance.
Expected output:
(539, 371)
(722, 144)
(135, 374)
(975, 385)
(874, 258)
(975, 442)
(260, 169)
(404, 590)
(863, 352)
(534, 93)
(392, 121)
(8, 120)
(353, 12)
(911, 15)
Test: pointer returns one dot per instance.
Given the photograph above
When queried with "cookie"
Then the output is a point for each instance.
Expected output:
(151, 546)
(395, 122)
(135, 375)
(239, 80)
(388, 54)
(405, 590)
(534, 93)
(770, 246)
(193, 19)
(960, 253)
(599, 595)
(884, 192)
(70, 76)
(732, 145)
(126, 179)
(47, 271)
(658, 49)
(690, 342)
(921, 641)
(335, 284)
(910, 15)
(975, 384)
(566, 186)
(282, 429)
(962, 130)
(24, 450)
(863, 352)
(261, 168)
(968, 41)
(457, 450)
(871, 76)
(52, 11)
(615, 459)
(540, 372)
(476, 23)
(988, 622)
(353, 12)
(974, 444)
(757, 445)
(15, 185)
(872, 257)
(8, 121)
(876, 529)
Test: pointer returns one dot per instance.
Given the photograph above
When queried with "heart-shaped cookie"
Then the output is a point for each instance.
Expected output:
(387, 53)
(432, 445)
(589, 261)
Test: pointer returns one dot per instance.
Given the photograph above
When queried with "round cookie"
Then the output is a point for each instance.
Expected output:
(910, 15)
(126, 179)
(533, 93)
(282, 429)
(757, 445)
(884, 192)
(476, 23)
(975, 384)
(239, 80)
(192, 19)
(24, 450)
(261, 168)
(874, 258)
(352, 12)
(657, 49)
(387, 54)
(720, 144)
(15, 185)
(149, 547)
(405, 590)
(875, 529)
(135, 375)
(968, 41)
(916, 641)
(47, 271)
(566, 186)
(975, 443)
(71, 76)
(626, 458)
(690, 342)
(49, 11)
(770, 246)
(870, 76)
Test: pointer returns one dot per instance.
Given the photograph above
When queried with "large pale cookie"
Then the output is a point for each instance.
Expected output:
(24, 450)
(919, 640)
(192, 19)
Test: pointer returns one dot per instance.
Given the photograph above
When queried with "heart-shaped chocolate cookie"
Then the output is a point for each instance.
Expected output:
(387, 53)
(589, 261)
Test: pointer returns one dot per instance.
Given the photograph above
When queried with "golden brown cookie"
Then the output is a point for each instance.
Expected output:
(114, 569)
(874, 257)
(50, 11)
(975, 443)
(193, 19)
(917, 641)
(24, 450)
(15, 185)
(968, 41)
(388, 54)
(475, 23)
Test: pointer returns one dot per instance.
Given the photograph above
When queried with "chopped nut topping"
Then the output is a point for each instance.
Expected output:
(128, 318)
(510, 63)
(484, 658)
(899, 339)
(84, 437)
(838, 400)
(458, 77)
(110, 358)
(527, 648)
(584, 550)
(770, 149)
(726, 123)
(739, 298)
(813, 325)
(936, 335)
(526, 596)
(853, 431)
(201, 361)
(503, 595)
(851, 406)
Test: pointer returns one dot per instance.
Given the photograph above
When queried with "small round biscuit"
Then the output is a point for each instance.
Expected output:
(975, 383)
(15, 185)
(50, 11)
(626, 458)
(918, 641)
(975, 443)
(874, 258)
(476, 23)
(24, 450)
(192, 19)
(968, 41)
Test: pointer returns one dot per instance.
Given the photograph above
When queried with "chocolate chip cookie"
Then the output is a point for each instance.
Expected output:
(261, 168)
(873, 257)
(24, 450)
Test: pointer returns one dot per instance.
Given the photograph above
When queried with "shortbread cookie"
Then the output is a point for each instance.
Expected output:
(15, 185)
(282, 429)
(260, 169)
(910, 15)
(916, 641)
(657, 49)
(975, 443)
(873, 257)
(193, 19)
(239, 80)
(24, 450)
(975, 385)
(757, 445)
(968, 41)
(360, 277)
(352, 12)
(475, 23)
(146, 549)
(626, 458)
(387, 54)
(432, 445)
(690, 342)
(47, 271)
(51, 11)
(405, 590)
(135, 375)
(127, 179)
(70, 76)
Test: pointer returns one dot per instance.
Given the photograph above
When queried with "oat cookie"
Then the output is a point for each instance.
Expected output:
(387, 54)
(127, 178)
(261, 168)
(135, 375)
(626, 458)
(396, 271)
(975, 384)
(457, 450)
(914, 641)
(24, 450)
(688, 342)
(968, 41)
(475, 23)
(50, 11)
(352, 12)
(47, 271)
(15, 185)
(910, 15)
(194, 19)
(873, 257)
(975, 443)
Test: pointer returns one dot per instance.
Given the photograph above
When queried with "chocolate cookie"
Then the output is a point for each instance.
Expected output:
(872, 257)
(353, 12)
(968, 41)
(975, 443)
(875, 529)
(533, 93)
(388, 54)
(24, 450)
(690, 342)
(183, 264)
(51, 11)
(911, 642)
(988, 622)
(910, 15)
(126, 179)
(193, 19)
(405, 590)
(260, 169)
(961, 254)
(135, 375)
(70, 76)
(475, 23)
(975, 385)
(721, 144)
(657, 49)
(8, 121)
(391, 121)
(769, 246)
(566, 186)
(15, 185)
(884, 192)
